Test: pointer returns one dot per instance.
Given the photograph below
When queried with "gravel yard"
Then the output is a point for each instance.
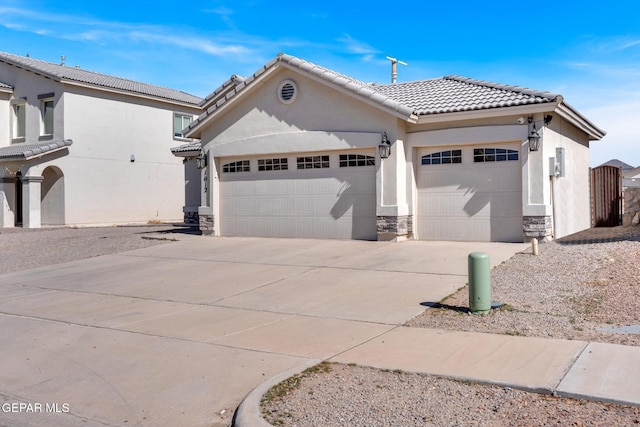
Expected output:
(22, 248)
(573, 289)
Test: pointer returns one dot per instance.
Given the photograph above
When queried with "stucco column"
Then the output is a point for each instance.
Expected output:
(536, 198)
(393, 219)
(206, 212)
(7, 198)
(31, 193)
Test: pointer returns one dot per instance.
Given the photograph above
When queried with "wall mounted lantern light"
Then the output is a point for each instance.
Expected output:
(385, 147)
(201, 160)
(534, 136)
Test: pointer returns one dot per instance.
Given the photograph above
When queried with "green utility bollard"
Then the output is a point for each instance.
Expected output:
(479, 283)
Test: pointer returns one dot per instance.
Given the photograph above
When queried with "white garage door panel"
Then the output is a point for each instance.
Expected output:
(322, 203)
(470, 201)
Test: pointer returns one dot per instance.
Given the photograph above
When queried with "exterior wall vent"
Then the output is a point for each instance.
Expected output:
(287, 92)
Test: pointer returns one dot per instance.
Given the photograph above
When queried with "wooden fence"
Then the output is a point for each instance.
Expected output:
(606, 196)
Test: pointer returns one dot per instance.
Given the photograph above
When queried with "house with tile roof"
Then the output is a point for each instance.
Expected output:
(299, 150)
(84, 148)
(624, 167)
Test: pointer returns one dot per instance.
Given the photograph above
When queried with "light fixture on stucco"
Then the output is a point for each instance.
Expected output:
(385, 147)
(201, 160)
(534, 136)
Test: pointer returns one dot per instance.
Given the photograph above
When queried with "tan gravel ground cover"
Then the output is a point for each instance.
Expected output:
(23, 248)
(573, 289)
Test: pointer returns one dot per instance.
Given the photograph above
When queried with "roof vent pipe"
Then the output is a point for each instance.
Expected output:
(394, 68)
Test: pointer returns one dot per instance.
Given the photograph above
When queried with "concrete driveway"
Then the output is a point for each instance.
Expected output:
(178, 334)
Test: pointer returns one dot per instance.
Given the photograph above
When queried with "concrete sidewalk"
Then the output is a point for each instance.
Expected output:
(576, 369)
(178, 334)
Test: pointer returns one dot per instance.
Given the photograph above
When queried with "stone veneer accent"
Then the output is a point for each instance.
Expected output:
(206, 224)
(539, 227)
(391, 227)
(631, 207)
(191, 218)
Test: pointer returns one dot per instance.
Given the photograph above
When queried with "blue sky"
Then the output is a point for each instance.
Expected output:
(589, 53)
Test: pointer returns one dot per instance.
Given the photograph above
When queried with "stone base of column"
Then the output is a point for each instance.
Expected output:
(394, 228)
(539, 227)
(206, 225)
(191, 218)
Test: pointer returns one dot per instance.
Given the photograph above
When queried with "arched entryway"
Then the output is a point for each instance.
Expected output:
(52, 196)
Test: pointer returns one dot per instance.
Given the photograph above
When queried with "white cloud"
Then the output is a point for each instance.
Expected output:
(630, 44)
(357, 47)
(111, 32)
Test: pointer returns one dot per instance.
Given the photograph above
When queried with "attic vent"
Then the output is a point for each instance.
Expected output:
(287, 91)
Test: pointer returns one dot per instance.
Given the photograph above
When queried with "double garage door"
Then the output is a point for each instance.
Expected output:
(316, 195)
(470, 193)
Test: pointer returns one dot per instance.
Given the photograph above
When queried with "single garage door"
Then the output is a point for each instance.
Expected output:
(318, 195)
(470, 193)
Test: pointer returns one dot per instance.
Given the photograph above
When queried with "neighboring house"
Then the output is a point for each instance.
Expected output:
(298, 150)
(624, 167)
(83, 148)
(631, 177)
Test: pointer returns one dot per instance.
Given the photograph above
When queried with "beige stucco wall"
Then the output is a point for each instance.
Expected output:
(571, 193)
(101, 184)
(27, 87)
(259, 112)
(106, 131)
(320, 119)
(5, 118)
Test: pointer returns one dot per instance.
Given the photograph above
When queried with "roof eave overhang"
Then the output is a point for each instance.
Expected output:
(98, 87)
(225, 102)
(194, 153)
(34, 155)
(487, 113)
(410, 117)
(568, 113)
(559, 107)
(128, 93)
(55, 150)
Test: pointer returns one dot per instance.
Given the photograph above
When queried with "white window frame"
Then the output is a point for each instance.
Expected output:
(47, 114)
(356, 160)
(275, 164)
(322, 161)
(445, 157)
(237, 166)
(177, 133)
(19, 129)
